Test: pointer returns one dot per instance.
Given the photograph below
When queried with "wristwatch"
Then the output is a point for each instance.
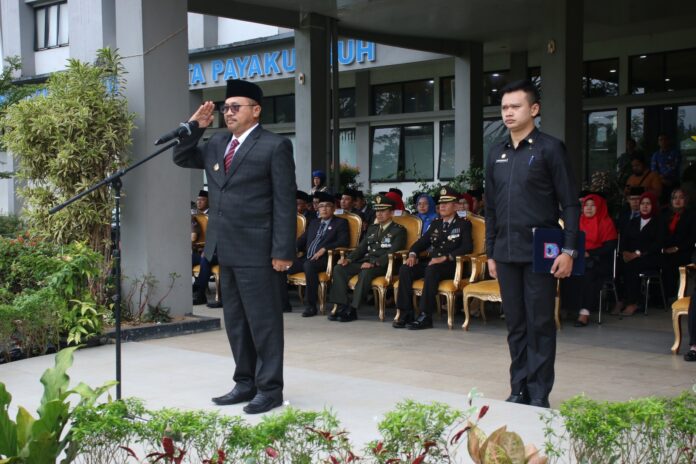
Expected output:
(570, 252)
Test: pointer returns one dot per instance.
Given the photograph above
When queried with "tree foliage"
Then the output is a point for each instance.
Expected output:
(66, 139)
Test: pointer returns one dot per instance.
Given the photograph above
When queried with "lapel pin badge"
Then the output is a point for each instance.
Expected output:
(216, 167)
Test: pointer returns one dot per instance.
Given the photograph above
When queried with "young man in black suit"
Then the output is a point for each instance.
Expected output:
(323, 234)
(248, 165)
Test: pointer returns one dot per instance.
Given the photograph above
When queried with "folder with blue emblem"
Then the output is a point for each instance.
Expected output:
(547, 246)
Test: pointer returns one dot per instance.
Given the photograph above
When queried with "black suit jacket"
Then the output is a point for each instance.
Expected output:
(252, 213)
(336, 235)
(649, 240)
(456, 241)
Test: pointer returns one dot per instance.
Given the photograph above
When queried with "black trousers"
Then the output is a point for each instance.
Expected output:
(692, 319)
(582, 292)
(528, 303)
(431, 275)
(631, 274)
(251, 301)
(311, 270)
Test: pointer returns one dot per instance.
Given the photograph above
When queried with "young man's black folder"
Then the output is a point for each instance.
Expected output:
(547, 246)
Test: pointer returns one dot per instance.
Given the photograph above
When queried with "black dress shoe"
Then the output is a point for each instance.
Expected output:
(401, 323)
(539, 402)
(234, 397)
(340, 309)
(262, 403)
(215, 304)
(518, 398)
(349, 316)
(309, 311)
(424, 321)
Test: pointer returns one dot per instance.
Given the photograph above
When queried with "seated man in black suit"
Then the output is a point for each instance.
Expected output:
(323, 234)
(447, 237)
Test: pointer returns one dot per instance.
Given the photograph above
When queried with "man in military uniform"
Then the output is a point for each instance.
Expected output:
(447, 237)
(528, 182)
(369, 260)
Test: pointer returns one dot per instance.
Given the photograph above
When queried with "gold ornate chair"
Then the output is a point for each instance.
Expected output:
(299, 279)
(202, 220)
(301, 225)
(680, 308)
(489, 290)
(380, 285)
(449, 288)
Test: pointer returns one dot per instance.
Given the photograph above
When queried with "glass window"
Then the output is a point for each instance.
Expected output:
(346, 103)
(601, 78)
(346, 147)
(446, 170)
(686, 128)
(492, 83)
(267, 110)
(285, 108)
(447, 93)
(386, 99)
(51, 25)
(493, 131)
(418, 152)
(600, 127)
(647, 73)
(680, 72)
(418, 96)
(534, 75)
(637, 122)
(386, 144)
(402, 153)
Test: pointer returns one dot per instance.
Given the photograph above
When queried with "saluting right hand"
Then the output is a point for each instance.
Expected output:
(204, 114)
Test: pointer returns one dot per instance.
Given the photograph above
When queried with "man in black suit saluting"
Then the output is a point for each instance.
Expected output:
(248, 165)
(322, 235)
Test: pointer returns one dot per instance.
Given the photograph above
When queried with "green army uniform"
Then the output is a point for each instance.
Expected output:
(374, 248)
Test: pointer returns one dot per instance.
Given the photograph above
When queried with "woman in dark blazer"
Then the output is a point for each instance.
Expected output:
(641, 242)
(679, 240)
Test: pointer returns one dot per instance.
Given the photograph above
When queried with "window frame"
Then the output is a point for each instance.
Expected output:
(46, 23)
(400, 164)
(401, 85)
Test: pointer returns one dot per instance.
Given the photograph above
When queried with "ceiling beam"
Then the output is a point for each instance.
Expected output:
(247, 12)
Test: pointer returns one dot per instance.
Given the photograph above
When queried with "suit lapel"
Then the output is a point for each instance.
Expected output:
(242, 152)
(219, 161)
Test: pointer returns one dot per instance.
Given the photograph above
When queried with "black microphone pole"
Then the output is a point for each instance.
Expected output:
(115, 181)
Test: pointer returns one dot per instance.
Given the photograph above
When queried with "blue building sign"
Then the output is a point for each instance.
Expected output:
(271, 63)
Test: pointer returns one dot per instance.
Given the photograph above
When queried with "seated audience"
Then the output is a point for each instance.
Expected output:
(643, 177)
(582, 292)
(369, 260)
(641, 241)
(303, 201)
(446, 238)
(425, 210)
(394, 195)
(318, 182)
(631, 208)
(464, 204)
(477, 206)
(679, 241)
(326, 233)
(366, 211)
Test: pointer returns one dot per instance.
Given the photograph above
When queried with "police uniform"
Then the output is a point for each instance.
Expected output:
(443, 238)
(525, 186)
(374, 248)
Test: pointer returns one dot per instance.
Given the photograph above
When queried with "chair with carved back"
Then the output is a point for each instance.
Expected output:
(380, 285)
(202, 220)
(680, 307)
(299, 279)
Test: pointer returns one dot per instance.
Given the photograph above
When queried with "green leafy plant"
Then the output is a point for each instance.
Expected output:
(41, 440)
(11, 225)
(500, 447)
(645, 430)
(472, 178)
(82, 322)
(82, 136)
(137, 304)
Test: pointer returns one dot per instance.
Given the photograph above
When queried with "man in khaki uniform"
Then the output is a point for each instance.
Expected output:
(369, 260)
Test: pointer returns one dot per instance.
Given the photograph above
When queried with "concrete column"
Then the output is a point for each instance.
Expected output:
(468, 107)
(151, 37)
(92, 26)
(311, 97)
(18, 33)
(202, 31)
(362, 131)
(518, 66)
(561, 70)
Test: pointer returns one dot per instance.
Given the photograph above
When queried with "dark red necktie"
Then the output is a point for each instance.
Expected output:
(230, 154)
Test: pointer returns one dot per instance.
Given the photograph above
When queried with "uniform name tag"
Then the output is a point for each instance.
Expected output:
(502, 160)
(453, 236)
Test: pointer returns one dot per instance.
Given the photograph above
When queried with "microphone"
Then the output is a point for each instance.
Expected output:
(183, 130)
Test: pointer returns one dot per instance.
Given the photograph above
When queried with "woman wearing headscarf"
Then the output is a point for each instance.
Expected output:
(425, 210)
(641, 242)
(398, 202)
(318, 182)
(600, 242)
(679, 240)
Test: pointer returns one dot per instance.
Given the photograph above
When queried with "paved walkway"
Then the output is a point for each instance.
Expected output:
(361, 369)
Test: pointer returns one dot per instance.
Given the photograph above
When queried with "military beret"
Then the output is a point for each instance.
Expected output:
(447, 195)
(382, 202)
(240, 88)
(324, 197)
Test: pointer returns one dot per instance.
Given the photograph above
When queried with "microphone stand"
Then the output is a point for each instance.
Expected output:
(115, 181)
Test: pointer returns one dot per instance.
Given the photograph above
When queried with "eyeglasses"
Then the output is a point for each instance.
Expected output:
(233, 108)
